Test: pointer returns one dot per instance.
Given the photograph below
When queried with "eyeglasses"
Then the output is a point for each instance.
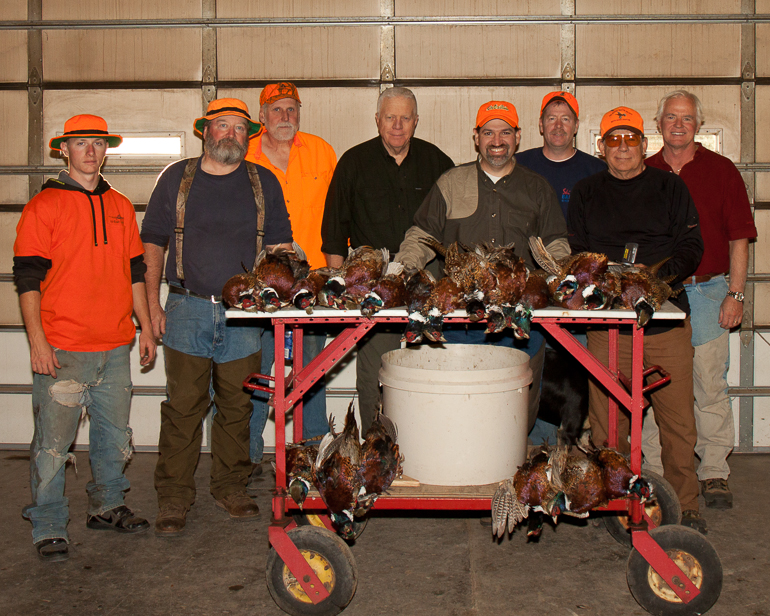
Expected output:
(613, 141)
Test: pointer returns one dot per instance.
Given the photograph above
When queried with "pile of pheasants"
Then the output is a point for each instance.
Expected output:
(348, 475)
(562, 480)
(488, 282)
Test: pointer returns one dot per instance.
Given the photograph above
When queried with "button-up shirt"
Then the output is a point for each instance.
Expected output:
(372, 199)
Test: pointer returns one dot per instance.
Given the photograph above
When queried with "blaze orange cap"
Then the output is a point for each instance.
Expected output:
(85, 126)
(223, 107)
(622, 117)
(276, 91)
(565, 97)
(497, 110)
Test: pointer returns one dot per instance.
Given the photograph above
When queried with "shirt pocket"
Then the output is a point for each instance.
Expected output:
(522, 221)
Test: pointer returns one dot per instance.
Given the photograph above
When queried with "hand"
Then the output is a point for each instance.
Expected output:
(158, 317)
(147, 348)
(43, 358)
(730, 313)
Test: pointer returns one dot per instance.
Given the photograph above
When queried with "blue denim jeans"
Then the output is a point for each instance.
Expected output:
(99, 383)
(199, 328)
(534, 347)
(705, 301)
(314, 421)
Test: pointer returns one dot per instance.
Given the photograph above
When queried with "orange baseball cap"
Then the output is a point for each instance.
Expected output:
(276, 91)
(497, 110)
(226, 106)
(622, 117)
(85, 125)
(565, 97)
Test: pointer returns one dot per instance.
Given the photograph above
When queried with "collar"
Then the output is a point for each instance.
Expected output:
(483, 174)
(258, 141)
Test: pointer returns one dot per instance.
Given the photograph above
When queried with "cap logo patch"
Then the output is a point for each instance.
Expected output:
(620, 115)
(503, 107)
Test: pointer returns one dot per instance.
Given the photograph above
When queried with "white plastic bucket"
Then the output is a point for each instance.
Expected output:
(461, 411)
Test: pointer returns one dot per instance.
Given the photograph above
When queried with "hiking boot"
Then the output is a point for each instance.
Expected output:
(239, 505)
(171, 519)
(692, 518)
(121, 519)
(716, 493)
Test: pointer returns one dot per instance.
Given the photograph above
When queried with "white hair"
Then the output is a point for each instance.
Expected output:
(396, 93)
(681, 94)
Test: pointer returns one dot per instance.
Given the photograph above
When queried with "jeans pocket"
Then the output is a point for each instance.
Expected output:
(173, 302)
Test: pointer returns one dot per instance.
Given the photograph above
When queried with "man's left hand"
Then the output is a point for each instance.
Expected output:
(730, 313)
(147, 348)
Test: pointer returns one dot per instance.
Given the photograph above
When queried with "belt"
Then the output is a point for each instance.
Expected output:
(691, 280)
(214, 299)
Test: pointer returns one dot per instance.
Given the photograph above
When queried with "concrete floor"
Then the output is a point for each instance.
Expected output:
(408, 563)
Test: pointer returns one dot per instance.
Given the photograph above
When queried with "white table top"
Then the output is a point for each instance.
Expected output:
(667, 312)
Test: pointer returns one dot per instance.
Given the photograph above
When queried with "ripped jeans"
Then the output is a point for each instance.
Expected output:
(99, 383)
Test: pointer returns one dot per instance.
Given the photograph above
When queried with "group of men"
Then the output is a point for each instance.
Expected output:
(264, 186)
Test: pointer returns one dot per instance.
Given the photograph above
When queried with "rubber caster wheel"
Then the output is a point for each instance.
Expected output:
(311, 519)
(664, 510)
(331, 560)
(693, 553)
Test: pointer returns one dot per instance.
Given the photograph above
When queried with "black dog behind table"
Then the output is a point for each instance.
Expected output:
(564, 393)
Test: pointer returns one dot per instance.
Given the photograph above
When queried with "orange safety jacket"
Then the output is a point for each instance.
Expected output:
(86, 298)
(307, 178)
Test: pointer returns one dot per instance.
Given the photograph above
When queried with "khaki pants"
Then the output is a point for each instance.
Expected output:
(672, 404)
(188, 378)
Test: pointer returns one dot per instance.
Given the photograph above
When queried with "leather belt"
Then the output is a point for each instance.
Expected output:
(214, 299)
(691, 280)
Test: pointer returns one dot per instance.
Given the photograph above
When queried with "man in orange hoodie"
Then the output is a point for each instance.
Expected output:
(79, 271)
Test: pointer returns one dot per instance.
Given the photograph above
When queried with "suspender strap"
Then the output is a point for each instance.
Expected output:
(259, 198)
(181, 202)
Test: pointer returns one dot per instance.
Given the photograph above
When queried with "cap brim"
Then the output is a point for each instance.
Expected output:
(200, 123)
(113, 141)
(626, 127)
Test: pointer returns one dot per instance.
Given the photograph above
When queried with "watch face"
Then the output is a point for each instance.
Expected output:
(736, 295)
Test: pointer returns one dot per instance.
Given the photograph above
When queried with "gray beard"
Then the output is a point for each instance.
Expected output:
(226, 151)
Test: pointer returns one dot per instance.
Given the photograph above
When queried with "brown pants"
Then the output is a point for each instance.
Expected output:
(182, 414)
(672, 404)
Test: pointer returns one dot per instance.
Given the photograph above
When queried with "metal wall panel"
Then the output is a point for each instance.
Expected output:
(448, 115)
(762, 246)
(762, 119)
(438, 8)
(344, 117)
(659, 7)
(297, 8)
(299, 53)
(13, 116)
(761, 6)
(14, 189)
(137, 188)
(120, 9)
(762, 316)
(122, 55)
(721, 108)
(13, 51)
(477, 52)
(8, 222)
(15, 9)
(763, 49)
(129, 111)
(660, 50)
(10, 313)
(762, 187)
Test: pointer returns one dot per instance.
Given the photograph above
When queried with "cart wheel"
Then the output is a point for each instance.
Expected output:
(693, 553)
(664, 510)
(311, 519)
(331, 560)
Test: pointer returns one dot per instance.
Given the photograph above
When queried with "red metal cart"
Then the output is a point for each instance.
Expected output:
(310, 570)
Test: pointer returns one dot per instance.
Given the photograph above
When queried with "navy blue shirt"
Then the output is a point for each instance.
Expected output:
(561, 175)
(220, 225)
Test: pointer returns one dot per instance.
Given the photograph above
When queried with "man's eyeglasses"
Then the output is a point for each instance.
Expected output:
(613, 141)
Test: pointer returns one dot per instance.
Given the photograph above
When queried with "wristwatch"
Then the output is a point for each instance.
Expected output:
(736, 294)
